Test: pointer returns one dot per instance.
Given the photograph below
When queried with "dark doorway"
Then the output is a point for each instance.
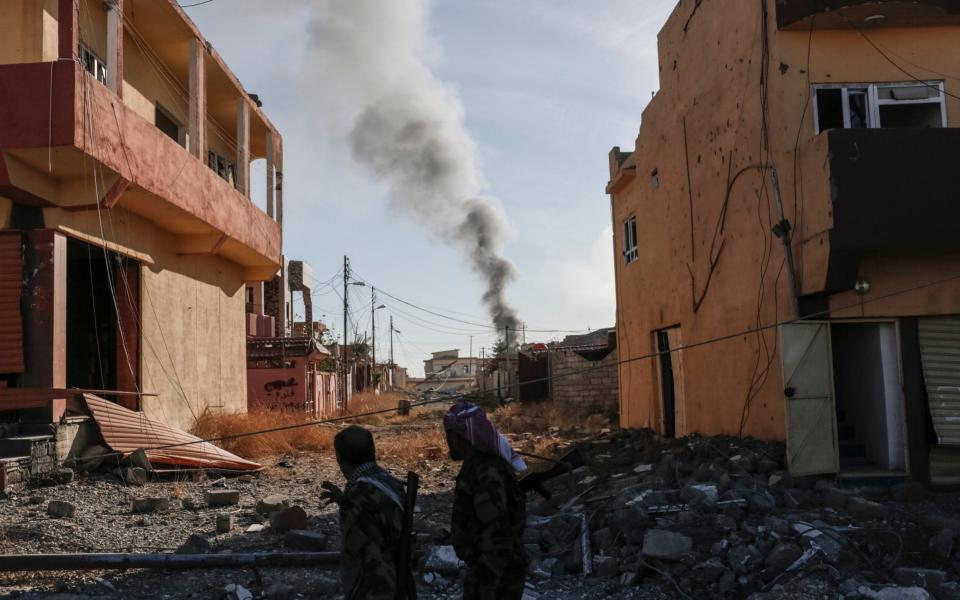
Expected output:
(667, 390)
(102, 346)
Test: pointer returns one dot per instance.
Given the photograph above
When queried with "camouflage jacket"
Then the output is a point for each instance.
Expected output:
(489, 514)
(371, 522)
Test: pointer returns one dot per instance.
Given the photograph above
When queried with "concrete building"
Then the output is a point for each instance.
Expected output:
(582, 371)
(783, 130)
(128, 229)
(449, 371)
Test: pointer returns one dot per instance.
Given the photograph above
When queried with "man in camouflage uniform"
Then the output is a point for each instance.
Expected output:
(371, 520)
(489, 509)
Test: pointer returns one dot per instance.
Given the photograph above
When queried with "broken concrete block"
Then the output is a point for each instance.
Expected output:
(701, 493)
(308, 541)
(150, 505)
(742, 558)
(862, 508)
(138, 458)
(256, 527)
(195, 544)
(292, 517)
(643, 469)
(665, 545)
(64, 475)
(925, 578)
(942, 544)
(271, 504)
(545, 568)
(135, 476)
(235, 591)
(605, 567)
(895, 593)
(61, 509)
(782, 556)
(222, 497)
(710, 571)
(442, 560)
(225, 523)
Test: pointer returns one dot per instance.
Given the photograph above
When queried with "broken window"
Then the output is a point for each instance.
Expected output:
(858, 106)
(93, 64)
(630, 240)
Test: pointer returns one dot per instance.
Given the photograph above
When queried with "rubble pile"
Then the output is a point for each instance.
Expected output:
(722, 518)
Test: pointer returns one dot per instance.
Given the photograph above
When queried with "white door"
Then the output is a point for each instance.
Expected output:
(811, 410)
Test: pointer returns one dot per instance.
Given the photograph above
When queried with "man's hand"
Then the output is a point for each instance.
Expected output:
(331, 494)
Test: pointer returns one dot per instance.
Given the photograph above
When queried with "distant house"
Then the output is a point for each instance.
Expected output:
(290, 374)
(449, 371)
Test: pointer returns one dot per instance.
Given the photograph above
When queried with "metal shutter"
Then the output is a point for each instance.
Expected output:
(11, 322)
(940, 352)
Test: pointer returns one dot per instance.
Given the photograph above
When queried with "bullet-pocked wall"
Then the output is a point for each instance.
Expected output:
(699, 185)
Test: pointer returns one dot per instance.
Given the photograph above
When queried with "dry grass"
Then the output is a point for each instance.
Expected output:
(411, 448)
(211, 425)
(366, 402)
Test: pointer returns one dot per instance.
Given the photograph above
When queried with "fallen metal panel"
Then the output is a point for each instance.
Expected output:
(126, 431)
(940, 354)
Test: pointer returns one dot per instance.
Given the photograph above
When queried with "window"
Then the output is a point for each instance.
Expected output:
(223, 167)
(93, 64)
(630, 240)
(168, 125)
(887, 105)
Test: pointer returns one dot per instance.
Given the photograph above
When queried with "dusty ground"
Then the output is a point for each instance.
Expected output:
(104, 523)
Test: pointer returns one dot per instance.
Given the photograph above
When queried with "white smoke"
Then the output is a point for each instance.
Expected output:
(408, 129)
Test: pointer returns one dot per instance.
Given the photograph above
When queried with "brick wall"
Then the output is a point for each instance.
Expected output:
(584, 384)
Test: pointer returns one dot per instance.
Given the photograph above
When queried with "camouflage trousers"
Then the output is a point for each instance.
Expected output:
(482, 584)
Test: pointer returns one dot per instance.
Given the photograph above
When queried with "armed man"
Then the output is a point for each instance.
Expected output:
(489, 508)
(375, 519)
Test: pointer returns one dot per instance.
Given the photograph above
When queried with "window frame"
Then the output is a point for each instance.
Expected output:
(874, 102)
(628, 231)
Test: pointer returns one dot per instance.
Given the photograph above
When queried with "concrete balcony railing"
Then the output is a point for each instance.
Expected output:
(834, 14)
(877, 192)
(55, 118)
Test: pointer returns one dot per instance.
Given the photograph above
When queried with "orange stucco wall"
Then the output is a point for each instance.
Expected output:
(710, 67)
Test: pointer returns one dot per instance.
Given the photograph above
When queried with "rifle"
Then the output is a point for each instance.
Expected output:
(534, 480)
(406, 585)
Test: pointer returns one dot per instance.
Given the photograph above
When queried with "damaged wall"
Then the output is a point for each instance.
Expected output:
(706, 126)
(590, 385)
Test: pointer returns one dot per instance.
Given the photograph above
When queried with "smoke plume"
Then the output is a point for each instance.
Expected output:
(408, 130)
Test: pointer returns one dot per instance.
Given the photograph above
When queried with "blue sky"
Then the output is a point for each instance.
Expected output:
(547, 86)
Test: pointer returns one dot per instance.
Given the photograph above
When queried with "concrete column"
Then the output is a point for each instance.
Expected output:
(271, 180)
(243, 146)
(45, 319)
(67, 30)
(115, 46)
(197, 127)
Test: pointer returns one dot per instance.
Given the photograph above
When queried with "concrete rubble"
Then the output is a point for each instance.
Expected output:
(722, 518)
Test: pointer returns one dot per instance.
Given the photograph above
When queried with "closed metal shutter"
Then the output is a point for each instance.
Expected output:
(11, 322)
(940, 352)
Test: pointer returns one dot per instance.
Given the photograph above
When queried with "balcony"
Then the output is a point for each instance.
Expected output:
(839, 14)
(871, 192)
(158, 127)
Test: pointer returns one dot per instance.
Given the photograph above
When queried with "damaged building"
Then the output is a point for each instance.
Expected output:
(127, 225)
(785, 246)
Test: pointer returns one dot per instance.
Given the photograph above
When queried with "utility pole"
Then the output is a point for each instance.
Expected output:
(524, 332)
(470, 357)
(391, 352)
(483, 374)
(343, 354)
(373, 332)
(506, 339)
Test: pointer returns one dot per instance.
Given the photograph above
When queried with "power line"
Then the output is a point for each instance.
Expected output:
(196, 4)
(571, 372)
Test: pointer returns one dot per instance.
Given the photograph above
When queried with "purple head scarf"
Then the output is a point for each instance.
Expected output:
(471, 423)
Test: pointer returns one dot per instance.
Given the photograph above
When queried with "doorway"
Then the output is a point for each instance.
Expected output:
(103, 312)
(871, 433)
(670, 374)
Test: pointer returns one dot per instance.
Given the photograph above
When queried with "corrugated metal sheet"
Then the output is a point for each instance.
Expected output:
(11, 321)
(940, 353)
(126, 431)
